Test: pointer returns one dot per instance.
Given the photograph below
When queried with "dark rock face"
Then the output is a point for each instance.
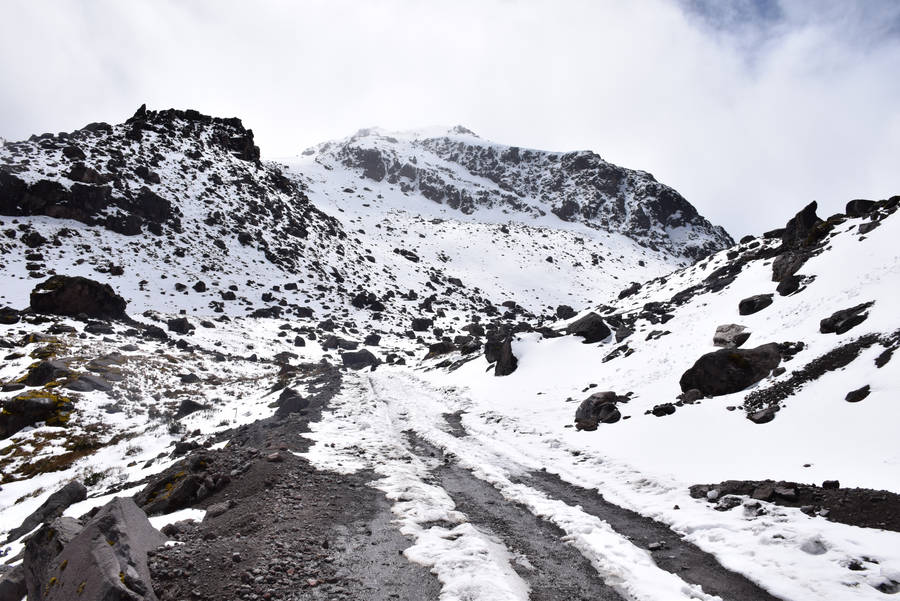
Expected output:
(798, 229)
(506, 360)
(53, 507)
(359, 359)
(754, 304)
(599, 408)
(860, 207)
(845, 320)
(731, 370)
(71, 296)
(86, 202)
(590, 327)
(108, 558)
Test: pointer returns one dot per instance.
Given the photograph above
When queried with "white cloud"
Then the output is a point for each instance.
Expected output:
(749, 119)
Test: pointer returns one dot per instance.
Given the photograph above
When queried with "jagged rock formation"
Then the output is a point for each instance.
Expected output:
(459, 169)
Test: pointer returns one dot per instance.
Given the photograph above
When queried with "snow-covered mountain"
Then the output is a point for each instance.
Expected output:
(517, 224)
(372, 349)
(492, 181)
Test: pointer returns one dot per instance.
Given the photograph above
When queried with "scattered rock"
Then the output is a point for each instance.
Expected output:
(798, 230)
(860, 207)
(188, 406)
(421, 324)
(663, 409)
(730, 335)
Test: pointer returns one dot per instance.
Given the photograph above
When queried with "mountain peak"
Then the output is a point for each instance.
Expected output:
(456, 168)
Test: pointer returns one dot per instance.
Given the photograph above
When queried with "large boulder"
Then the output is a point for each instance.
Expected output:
(180, 325)
(754, 304)
(47, 371)
(290, 401)
(844, 320)
(590, 327)
(108, 559)
(599, 408)
(730, 335)
(359, 359)
(506, 360)
(71, 296)
(53, 507)
(731, 370)
(860, 207)
(31, 407)
(787, 264)
(41, 550)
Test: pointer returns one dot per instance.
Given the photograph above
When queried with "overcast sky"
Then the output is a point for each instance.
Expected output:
(749, 109)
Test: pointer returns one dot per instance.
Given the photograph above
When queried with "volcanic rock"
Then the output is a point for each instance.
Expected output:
(71, 296)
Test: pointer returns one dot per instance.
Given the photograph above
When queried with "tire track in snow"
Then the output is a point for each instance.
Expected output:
(554, 570)
(408, 404)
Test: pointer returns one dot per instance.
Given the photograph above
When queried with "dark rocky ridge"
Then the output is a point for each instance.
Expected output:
(136, 177)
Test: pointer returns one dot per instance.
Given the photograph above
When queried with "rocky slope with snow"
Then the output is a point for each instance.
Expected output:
(458, 169)
(359, 374)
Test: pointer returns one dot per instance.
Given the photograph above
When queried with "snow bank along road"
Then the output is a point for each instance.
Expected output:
(488, 521)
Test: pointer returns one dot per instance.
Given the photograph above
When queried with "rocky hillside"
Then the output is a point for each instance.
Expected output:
(427, 366)
(458, 169)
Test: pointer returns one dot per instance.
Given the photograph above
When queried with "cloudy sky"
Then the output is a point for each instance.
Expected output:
(749, 109)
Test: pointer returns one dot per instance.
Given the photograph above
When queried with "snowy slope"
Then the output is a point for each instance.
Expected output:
(480, 242)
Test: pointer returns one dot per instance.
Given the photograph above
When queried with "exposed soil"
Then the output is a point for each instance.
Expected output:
(293, 532)
(862, 507)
